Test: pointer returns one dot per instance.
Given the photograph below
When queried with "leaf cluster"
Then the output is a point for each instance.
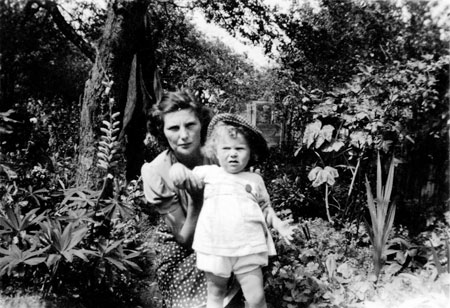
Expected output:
(382, 213)
(109, 145)
(36, 58)
(331, 267)
(218, 76)
(84, 245)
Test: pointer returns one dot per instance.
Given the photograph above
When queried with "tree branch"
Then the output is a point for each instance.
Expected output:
(66, 29)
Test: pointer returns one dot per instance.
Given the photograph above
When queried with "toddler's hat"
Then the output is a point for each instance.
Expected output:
(257, 143)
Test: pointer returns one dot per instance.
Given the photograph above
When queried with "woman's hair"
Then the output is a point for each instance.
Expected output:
(176, 101)
(232, 130)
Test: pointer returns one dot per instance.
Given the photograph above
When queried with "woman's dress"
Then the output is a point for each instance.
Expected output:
(180, 282)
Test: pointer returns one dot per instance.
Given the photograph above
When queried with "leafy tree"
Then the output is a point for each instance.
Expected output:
(253, 21)
(35, 57)
(324, 48)
(211, 68)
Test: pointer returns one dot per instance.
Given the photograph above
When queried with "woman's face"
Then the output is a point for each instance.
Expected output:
(182, 129)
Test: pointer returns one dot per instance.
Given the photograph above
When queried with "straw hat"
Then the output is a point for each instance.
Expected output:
(257, 142)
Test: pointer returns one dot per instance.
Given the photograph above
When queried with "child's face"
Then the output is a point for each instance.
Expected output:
(233, 153)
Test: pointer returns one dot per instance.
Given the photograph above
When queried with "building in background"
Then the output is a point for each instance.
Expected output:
(261, 114)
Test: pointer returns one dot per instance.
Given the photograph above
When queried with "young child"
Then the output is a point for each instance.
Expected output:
(232, 233)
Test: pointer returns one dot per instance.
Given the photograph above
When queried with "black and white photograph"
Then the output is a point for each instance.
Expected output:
(149, 147)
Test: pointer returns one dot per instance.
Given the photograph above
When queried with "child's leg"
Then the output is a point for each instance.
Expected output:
(217, 288)
(253, 288)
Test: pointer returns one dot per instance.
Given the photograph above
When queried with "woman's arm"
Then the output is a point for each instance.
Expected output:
(184, 226)
(180, 219)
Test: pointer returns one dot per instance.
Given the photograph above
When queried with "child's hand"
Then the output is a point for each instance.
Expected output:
(285, 229)
(183, 178)
(255, 170)
(178, 175)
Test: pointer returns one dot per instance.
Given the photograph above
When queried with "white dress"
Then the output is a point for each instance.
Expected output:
(231, 222)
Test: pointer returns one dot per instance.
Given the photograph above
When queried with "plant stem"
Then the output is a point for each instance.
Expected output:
(326, 204)
(354, 177)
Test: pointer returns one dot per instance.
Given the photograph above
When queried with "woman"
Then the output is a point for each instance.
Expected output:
(184, 124)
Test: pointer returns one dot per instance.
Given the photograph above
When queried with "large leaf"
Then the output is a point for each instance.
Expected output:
(14, 256)
(319, 176)
(311, 132)
(19, 225)
(64, 241)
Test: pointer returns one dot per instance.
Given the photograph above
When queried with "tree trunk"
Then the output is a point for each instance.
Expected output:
(124, 36)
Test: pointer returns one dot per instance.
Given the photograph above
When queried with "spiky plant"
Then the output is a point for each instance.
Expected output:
(108, 147)
(382, 213)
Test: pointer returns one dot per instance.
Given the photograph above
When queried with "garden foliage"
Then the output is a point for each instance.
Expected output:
(332, 267)
(65, 241)
(382, 213)
(358, 82)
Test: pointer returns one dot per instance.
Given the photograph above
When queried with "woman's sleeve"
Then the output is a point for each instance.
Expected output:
(157, 191)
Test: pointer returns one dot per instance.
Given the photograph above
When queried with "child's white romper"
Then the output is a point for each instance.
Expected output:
(231, 222)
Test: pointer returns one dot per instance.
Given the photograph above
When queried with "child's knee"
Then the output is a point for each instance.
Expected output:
(255, 298)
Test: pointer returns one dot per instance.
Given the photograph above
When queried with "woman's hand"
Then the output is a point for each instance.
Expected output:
(184, 222)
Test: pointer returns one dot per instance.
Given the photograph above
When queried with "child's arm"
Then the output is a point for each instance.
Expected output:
(283, 227)
(184, 223)
(184, 178)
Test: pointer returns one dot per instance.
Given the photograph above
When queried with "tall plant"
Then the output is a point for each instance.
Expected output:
(382, 213)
